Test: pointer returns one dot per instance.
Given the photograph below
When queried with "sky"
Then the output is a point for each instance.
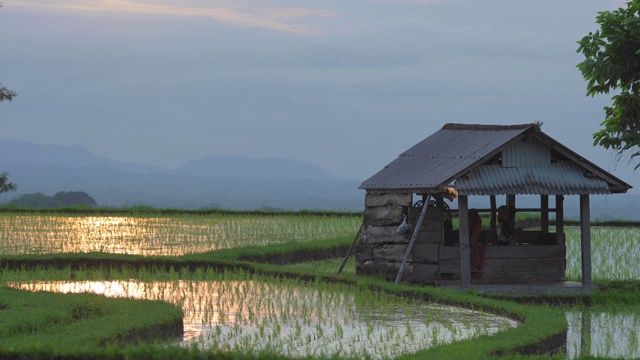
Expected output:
(347, 85)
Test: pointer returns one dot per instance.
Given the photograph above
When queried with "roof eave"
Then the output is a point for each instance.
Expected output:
(621, 187)
(404, 190)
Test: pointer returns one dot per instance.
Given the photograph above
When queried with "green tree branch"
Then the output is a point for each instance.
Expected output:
(612, 63)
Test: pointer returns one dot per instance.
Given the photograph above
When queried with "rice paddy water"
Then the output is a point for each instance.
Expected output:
(297, 319)
(614, 253)
(172, 235)
(301, 319)
(603, 333)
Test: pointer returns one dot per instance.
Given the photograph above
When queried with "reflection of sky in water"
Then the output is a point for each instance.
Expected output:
(603, 334)
(176, 235)
(297, 320)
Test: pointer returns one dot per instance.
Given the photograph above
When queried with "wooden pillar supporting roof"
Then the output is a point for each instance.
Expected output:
(492, 200)
(585, 239)
(544, 214)
(465, 252)
(559, 217)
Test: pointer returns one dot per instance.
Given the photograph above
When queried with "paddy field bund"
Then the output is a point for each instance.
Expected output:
(205, 253)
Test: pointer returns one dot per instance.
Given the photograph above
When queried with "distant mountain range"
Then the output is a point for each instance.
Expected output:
(228, 182)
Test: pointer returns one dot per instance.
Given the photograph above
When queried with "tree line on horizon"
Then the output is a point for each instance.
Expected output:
(60, 199)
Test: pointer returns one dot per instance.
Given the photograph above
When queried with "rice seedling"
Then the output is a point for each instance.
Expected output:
(603, 333)
(228, 313)
(169, 235)
(614, 253)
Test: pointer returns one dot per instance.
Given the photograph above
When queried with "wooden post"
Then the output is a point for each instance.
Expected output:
(544, 214)
(559, 219)
(425, 206)
(511, 202)
(585, 238)
(492, 200)
(353, 244)
(439, 201)
(465, 253)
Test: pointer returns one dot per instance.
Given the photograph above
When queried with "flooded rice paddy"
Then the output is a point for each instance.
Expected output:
(614, 253)
(300, 319)
(614, 250)
(173, 235)
(601, 333)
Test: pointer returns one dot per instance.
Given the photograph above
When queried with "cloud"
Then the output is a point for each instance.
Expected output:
(235, 13)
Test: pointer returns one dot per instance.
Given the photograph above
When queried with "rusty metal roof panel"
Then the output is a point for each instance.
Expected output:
(561, 178)
(440, 158)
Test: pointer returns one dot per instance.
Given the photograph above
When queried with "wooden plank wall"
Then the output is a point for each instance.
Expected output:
(511, 264)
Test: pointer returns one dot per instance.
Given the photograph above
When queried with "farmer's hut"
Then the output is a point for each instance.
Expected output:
(477, 160)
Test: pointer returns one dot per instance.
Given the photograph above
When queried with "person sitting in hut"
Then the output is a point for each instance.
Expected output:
(476, 249)
(506, 233)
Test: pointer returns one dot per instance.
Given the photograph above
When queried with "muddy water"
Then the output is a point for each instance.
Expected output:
(297, 320)
(603, 334)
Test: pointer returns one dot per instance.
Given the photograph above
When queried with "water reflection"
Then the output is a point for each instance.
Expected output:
(177, 235)
(297, 320)
(603, 334)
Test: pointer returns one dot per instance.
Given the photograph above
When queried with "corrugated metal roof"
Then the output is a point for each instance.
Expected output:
(459, 149)
(526, 153)
(438, 159)
(562, 178)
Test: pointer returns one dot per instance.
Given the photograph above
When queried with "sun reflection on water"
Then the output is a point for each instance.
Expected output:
(296, 320)
(171, 235)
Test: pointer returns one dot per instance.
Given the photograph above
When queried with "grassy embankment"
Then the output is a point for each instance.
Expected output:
(540, 322)
(42, 323)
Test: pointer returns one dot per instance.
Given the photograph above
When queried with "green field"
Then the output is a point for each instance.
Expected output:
(201, 265)
(163, 235)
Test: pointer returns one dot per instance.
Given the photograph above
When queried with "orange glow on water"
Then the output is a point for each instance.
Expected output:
(176, 235)
(295, 320)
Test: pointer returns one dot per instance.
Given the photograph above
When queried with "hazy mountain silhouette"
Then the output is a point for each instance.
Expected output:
(229, 182)
(217, 166)
(76, 156)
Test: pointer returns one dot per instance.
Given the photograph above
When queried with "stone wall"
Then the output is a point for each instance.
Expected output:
(381, 248)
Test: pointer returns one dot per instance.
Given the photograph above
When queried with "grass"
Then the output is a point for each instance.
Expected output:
(536, 324)
(79, 322)
(248, 262)
(316, 308)
(294, 318)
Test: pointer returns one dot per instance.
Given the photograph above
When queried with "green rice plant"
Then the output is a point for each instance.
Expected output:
(320, 318)
(168, 235)
(614, 253)
(609, 333)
